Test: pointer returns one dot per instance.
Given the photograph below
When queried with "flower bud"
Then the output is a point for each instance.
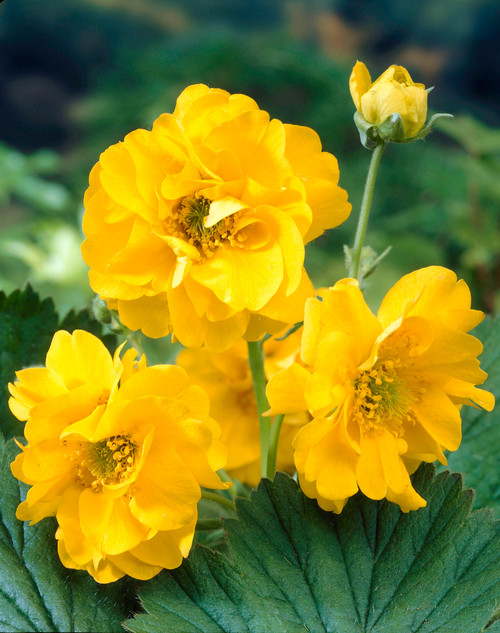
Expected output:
(394, 92)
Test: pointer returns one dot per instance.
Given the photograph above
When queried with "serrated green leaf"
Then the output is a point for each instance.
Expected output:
(477, 456)
(295, 568)
(36, 592)
(27, 325)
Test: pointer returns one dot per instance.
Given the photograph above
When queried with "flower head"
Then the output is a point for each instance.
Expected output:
(393, 92)
(117, 452)
(385, 391)
(227, 379)
(198, 226)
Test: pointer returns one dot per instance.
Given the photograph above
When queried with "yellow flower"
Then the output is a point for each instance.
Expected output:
(198, 226)
(385, 390)
(119, 465)
(394, 91)
(227, 379)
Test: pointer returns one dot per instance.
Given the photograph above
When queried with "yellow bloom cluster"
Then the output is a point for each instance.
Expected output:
(117, 451)
(385, 391)
(393, 92)
(198, 226)
(227, 379)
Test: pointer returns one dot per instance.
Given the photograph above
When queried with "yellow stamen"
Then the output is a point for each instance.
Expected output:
(382, 399)
(187, 222)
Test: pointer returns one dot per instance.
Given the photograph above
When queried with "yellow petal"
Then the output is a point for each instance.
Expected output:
(128, 564)
(359, 83)
(439, 417)
(432, 293)
(81, 358)
(149, 314)
(288, 309)
(33, 386)
(221, 335)
(332, 462)
(168, 548)
(78, 548)
(220, 209)
(50, 417)
(343, 309)
(167, 381)
(408, 500)
(395, 473)
(421, 445)
(369, 469)
(108, 523)
(242, 278)
(166, 493)
(186, 323)
(128, 169)
(285, 389)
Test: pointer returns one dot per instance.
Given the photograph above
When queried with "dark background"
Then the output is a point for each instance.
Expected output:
(77, 75)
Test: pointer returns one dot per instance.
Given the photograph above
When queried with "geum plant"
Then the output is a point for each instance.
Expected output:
(197, 229)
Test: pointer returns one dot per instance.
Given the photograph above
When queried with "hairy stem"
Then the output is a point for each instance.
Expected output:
(364, 213)
(256, 361)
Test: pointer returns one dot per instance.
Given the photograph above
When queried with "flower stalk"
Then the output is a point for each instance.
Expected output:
(365, 210)
(223, 501)
(256, 362)
(274, 437)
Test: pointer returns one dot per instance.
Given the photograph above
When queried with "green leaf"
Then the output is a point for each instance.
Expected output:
(27, 326)
(477, 456)
(476, 137)
(36, 592)
(295, 568)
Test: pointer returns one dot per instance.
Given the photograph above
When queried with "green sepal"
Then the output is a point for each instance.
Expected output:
(428, 127)
(368, 134)
(392, 129)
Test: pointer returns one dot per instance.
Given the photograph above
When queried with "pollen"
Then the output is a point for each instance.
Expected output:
(110, 461)
(104, 397)
(382, 399)
(188, 222)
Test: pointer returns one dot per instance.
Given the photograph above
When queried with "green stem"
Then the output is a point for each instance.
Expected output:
(204, 525)
(135, 339)
(223, 501)
(273, 445)
(227, 479)
(256, 362)
(365, 210)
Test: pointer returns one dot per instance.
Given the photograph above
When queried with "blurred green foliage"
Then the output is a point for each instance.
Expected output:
(435, 201)
(40, 239)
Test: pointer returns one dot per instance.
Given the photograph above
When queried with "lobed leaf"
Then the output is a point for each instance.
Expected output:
(295, 568)
(477, 456)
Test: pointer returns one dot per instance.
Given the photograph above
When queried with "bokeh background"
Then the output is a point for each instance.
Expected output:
(77, 75)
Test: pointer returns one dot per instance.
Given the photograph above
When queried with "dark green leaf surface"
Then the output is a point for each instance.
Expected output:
(27, 325)
(36, 592)
(295, 568)
(478, 456)
(26, 328)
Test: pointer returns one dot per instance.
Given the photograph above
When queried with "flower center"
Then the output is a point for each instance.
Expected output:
(109, 461)
(382, 399)
(188, 222)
